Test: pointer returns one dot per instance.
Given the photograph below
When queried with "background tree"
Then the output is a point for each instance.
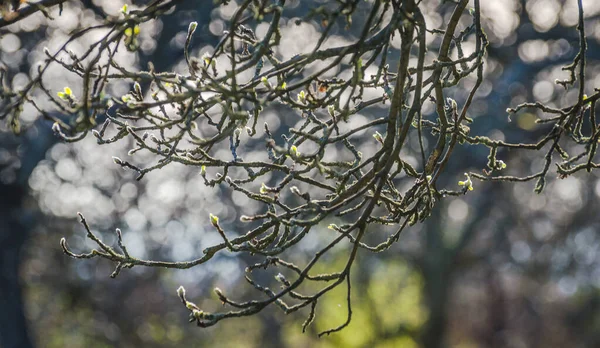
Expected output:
(325, 104)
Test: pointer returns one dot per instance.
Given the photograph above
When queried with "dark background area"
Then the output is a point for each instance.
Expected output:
(499, 267)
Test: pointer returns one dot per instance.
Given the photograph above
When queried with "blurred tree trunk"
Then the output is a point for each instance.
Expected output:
(436, 267)
(16, 222)
(13, 234)
(440, 259)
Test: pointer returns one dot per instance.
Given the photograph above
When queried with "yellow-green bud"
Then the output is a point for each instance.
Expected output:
(331, 110)
(467, 183)
(192, 27)
(301, 98)
(378, 137)
(66, 94)
(265, 82)
(181, 292)
(214, 220)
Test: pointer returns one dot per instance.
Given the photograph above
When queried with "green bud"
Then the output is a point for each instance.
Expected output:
(301, 98)
(331, 110)
(214, 220)
(192, 27)
(181, 293)
(378, 137)
(265, 82)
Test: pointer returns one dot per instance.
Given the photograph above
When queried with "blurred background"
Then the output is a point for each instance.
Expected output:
(499, 267)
